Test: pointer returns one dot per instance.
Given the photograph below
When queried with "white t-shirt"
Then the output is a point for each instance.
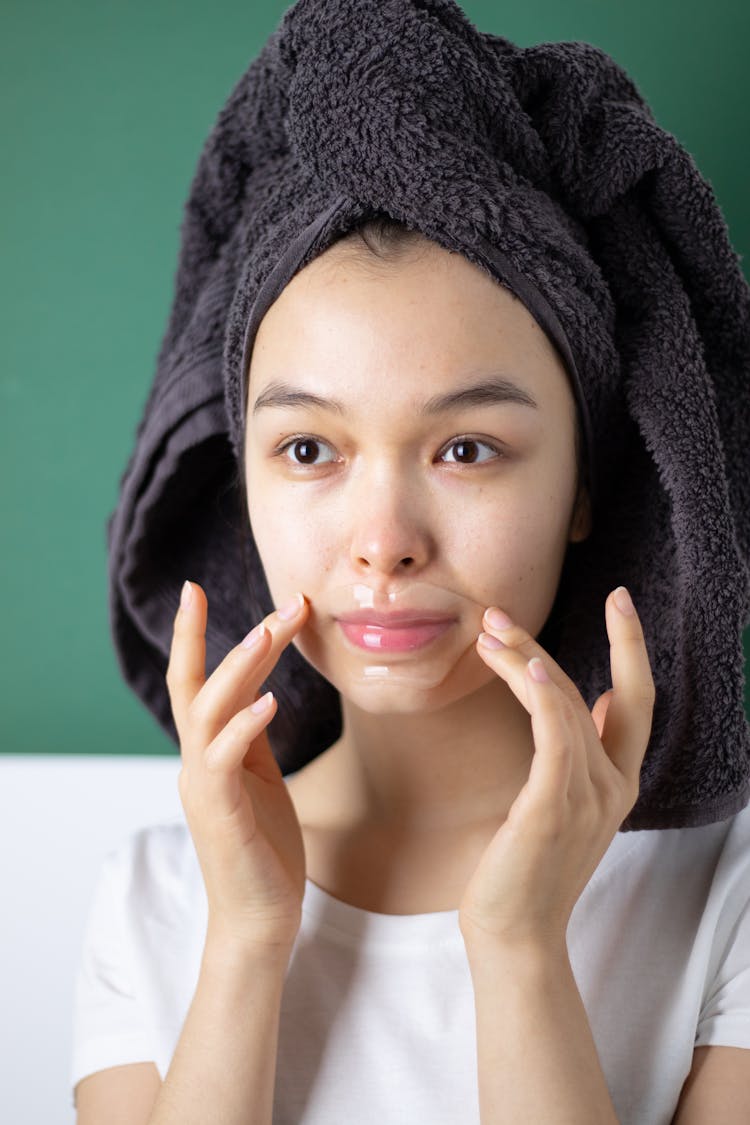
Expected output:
(377, 1019)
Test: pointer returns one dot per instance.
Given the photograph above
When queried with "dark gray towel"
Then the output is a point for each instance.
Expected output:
(545, 166)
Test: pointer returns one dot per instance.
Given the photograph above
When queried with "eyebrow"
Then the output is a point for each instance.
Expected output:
(489, 392)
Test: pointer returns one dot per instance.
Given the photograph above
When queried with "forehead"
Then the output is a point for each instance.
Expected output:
(420, 326)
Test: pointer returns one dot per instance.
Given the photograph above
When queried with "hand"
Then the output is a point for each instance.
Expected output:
(582, 784)
(241, 817)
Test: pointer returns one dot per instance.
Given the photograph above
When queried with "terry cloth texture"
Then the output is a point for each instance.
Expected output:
(544, 166)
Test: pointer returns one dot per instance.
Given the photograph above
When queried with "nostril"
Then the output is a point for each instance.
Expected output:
(405, 562)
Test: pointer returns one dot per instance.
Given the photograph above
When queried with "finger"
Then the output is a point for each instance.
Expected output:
(233, 746)
(235, 682)
(557, 770)
(186, 670)
(511, 665)
(560, 764)
(517, 639)
(507, 664)
(213, 781)
(627, 726)
(591, 763)
(599, 711)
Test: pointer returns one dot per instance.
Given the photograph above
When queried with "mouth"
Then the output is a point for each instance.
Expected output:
(394, 632)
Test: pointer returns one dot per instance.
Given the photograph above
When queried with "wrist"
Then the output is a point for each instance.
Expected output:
(227, 949)
(531, 955)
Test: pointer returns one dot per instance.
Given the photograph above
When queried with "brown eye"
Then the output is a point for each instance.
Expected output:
(305, 451)
(467, 451)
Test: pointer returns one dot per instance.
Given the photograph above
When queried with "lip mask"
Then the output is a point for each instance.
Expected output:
(425, 667)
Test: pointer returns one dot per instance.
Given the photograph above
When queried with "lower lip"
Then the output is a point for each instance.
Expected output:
(376, 638)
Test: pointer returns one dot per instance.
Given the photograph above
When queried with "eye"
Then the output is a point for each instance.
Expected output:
(467, 451)
(306, 450)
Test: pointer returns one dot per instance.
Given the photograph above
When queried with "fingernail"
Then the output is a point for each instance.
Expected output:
(489, 641)
(538, 671)
(263, 703)
(291, 609)
(497, 619)
(186, 596)
(253, 636)
(624, 602)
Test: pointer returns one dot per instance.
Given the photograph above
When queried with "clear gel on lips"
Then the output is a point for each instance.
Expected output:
(415, 671)
(365, 597)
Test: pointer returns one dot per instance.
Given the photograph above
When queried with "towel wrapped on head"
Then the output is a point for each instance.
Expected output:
(544, 166)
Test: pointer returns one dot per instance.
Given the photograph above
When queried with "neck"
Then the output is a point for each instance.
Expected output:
(453, 768)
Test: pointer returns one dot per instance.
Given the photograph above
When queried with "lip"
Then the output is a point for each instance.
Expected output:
(393, 632)
(395, 618)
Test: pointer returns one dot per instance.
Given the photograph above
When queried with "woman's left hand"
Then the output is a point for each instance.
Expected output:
(583, 782)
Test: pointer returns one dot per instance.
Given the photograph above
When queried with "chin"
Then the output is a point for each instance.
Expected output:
(404, 687)
(393, 698)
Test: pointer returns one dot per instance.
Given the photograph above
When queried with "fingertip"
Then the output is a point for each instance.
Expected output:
(537, 671)
(263, 704)
(490, 643)
(292, 609)
(305, 608)
(256, 636)
(623, 601)
(191, 595)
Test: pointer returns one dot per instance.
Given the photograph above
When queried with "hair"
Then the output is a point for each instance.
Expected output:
(380, 238)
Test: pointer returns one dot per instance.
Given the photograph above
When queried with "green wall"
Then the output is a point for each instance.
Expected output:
(104, 108)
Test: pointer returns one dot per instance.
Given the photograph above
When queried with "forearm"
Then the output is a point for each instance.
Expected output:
(536, 1056)
(224, 1065)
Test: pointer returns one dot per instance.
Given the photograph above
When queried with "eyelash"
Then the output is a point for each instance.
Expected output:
(298, 438)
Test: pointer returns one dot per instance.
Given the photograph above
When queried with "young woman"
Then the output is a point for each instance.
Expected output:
(435, 917)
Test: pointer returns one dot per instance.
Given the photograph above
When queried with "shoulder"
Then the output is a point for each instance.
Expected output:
(152, 848)
(697, 874)
(161, 850)
(717, 856)
(720, 851)
(141, 945)
(711, 848)
(148, 907)
(736, 841)
(152, 866)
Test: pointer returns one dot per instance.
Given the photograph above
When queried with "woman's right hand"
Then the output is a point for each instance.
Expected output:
(240, 815)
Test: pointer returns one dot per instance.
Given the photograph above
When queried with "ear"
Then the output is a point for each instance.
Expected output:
(581, 520)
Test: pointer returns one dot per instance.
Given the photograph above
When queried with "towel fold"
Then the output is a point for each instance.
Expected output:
(543, 165)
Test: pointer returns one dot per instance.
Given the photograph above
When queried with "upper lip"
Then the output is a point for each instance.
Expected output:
(395, 618)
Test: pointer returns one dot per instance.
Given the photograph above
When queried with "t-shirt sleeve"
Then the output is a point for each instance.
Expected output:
(725, 1014)
(109, 1025)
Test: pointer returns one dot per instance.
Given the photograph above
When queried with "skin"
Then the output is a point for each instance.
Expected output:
(388, 504)
(480, 741)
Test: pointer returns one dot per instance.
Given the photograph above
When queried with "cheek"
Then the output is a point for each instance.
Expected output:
(290, 543)
(513, 546)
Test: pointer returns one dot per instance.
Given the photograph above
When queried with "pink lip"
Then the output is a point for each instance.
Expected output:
(401, 631)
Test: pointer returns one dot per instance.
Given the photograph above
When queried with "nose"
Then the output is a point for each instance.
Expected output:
(389, 530)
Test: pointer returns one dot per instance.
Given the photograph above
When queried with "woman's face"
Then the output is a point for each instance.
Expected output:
(433, 473)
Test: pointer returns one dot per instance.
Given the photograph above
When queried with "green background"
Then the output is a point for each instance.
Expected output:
(104, 108)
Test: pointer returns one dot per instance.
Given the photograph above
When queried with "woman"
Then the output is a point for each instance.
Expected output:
(434, 914)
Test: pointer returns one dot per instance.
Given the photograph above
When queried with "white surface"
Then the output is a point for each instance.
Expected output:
(59, 815)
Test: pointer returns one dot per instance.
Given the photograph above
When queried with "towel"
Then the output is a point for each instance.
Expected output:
(544, 166)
